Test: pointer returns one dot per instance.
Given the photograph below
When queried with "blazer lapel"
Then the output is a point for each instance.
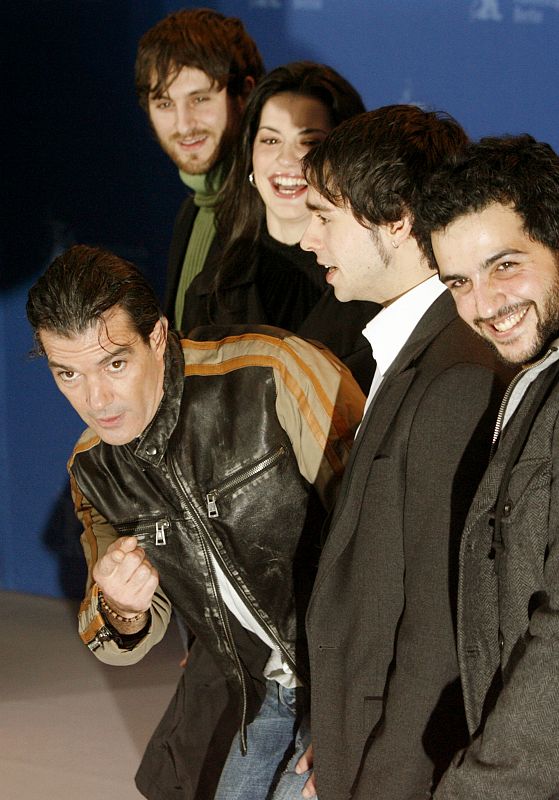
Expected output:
(381, 414)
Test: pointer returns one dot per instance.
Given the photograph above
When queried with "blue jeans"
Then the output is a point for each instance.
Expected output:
(277, 737)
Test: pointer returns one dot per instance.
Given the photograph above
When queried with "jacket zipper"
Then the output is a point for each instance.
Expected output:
(143, 530)
(234, 482)
(203, 535)
(506, 398)
(237, 480)
(255, 613)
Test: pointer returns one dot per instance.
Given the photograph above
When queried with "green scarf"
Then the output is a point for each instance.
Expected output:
(203, 232)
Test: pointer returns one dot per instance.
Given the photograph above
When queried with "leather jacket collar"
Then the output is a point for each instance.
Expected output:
(152, 443)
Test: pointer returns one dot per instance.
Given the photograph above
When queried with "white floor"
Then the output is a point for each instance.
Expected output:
(72, 728)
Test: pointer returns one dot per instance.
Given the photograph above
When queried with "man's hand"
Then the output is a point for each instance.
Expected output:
(126, 577)
(304, 764)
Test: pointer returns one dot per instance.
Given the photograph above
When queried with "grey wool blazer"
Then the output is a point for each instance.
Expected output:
(508, 616)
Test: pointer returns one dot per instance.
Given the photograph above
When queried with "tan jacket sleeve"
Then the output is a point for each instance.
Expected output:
(97, 535)
(320, 405)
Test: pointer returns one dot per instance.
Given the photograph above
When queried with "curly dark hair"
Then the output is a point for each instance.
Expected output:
(377, 163)
(514, 171)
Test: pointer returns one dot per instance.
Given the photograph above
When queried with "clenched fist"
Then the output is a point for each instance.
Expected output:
(126, 577)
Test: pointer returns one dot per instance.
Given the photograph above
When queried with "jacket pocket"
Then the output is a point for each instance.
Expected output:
(240, 478)
(147, 528)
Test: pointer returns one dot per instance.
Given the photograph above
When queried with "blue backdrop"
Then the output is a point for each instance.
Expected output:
(80, 166)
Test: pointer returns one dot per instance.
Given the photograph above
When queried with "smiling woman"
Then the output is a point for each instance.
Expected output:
(264, 277)
(290, 124)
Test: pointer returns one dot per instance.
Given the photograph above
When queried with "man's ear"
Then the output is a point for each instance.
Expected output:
(400, 230)
(158, 336)
(248, 86)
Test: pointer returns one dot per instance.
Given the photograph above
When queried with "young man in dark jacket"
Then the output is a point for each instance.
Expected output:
(493, 216)
(387, 711)
(194, 482)
(194, 71)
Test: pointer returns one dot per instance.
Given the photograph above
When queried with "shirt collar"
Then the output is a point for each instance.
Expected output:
(388, 332)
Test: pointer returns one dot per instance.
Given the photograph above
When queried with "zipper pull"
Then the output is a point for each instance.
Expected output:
(160, 528)
(212, 507)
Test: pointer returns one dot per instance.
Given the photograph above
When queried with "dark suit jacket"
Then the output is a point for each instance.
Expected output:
(387, 712)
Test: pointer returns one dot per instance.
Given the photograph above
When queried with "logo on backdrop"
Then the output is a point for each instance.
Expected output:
(486, 10)
(524, 12)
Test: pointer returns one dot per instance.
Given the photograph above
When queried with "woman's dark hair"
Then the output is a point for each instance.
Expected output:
(240, 211)
(81, 285)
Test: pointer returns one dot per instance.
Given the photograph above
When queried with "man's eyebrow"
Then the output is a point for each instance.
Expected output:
(317, 207)
(450, 278)
(492, 259)
(111, 356)
(163, 94)
(484, 264)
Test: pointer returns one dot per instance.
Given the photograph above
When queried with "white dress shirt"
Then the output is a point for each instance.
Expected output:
(388, 332)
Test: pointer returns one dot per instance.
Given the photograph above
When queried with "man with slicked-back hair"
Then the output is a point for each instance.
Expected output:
(200, 482)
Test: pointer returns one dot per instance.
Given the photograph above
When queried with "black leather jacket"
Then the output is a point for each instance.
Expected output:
(216, 471)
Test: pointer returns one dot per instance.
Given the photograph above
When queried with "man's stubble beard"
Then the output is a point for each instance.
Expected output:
(547, 328)
(223, 151)
(191, 165)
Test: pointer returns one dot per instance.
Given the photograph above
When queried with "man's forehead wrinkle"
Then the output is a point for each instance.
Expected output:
(63, 362)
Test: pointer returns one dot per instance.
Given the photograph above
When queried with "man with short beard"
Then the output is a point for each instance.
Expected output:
(194, 72)
(386, 706)
(492, 216)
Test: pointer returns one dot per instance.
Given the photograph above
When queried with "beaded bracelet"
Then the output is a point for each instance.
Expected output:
(106, 607)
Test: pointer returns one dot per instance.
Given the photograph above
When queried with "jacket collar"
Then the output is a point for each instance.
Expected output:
(440, 314)
(151, 445)
(401, 372)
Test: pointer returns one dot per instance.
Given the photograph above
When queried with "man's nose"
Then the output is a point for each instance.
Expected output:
(309, 240)
(99, 395)
(490, 299)
(185, 117)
